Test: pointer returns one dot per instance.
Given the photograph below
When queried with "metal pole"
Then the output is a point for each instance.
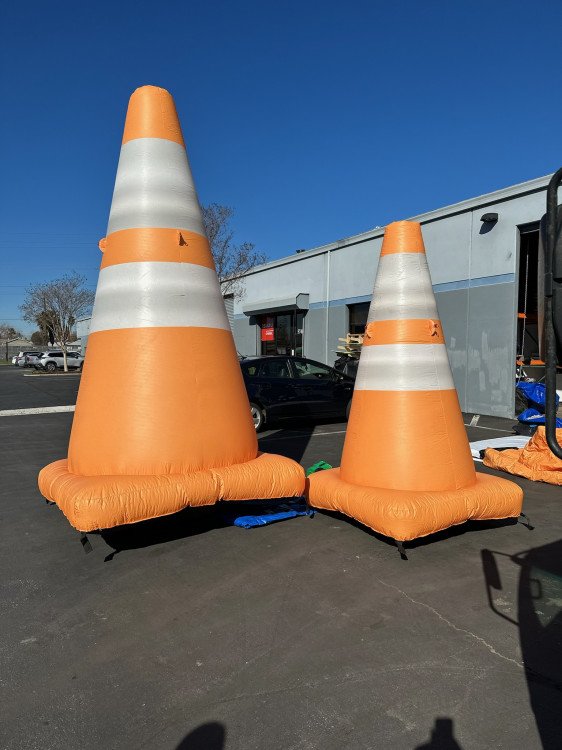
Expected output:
(550, 337)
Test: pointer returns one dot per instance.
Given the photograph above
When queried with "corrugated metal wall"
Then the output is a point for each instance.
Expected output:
(229, 304)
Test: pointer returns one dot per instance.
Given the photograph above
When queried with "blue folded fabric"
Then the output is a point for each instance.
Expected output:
(265, 511)
(535, 393)
(249, 522)
(532, 416)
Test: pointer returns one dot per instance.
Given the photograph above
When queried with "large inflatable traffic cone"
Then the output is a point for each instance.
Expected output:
(162, 418)
(406, 468)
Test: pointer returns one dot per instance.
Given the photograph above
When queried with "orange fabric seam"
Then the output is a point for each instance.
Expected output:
(156, 244)
(406, 331)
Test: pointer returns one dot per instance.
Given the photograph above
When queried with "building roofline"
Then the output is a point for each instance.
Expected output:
(488, 199)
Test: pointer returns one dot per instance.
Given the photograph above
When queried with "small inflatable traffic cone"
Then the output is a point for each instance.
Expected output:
(406, 468)
(162, 418)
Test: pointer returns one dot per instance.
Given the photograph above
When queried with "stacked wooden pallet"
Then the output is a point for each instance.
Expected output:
(351, 345)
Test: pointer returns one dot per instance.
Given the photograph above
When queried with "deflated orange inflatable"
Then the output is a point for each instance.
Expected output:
(406, 467)
(535, 461)
(162, 418)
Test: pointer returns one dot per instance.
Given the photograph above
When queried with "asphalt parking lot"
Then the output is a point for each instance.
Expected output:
(189, 633)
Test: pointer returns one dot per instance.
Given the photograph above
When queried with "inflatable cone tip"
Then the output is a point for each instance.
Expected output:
(152, 114)
(402, 237)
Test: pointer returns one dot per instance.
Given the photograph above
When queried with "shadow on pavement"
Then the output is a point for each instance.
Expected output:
(188, 522)
(441, 737)
(540, 629)
(453, 531)
(208, 736)
(291, 441)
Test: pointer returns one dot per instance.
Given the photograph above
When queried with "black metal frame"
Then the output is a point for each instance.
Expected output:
(549, 333)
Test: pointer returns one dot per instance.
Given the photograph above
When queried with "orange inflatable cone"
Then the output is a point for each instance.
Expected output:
(406, 468)
(162, 418)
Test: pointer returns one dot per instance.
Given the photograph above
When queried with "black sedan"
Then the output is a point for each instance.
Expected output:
(288, 387)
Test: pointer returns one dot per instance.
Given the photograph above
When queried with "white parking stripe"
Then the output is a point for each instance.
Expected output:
(158, 294)
(154, 188)
(38, 410)
(55, 409)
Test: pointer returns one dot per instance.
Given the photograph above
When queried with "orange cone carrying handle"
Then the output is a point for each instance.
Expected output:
(162, 417)
(406, 467)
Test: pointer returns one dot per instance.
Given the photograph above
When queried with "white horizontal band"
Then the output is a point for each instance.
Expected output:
(154, 294)
(154, 188)
(404, 367)
(403, 289)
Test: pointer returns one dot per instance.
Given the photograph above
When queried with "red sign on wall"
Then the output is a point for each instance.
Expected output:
(268, 334)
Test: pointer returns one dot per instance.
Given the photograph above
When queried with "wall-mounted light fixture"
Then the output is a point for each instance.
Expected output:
(489, 218)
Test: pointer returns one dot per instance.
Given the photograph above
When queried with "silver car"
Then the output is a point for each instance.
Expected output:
(53, 361)
(28, 359)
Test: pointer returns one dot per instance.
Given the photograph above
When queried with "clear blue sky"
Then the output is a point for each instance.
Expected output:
(314, 120)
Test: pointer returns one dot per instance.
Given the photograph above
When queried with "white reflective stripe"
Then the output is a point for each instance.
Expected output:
(404, 367)
(153, 294)
(403, 288)
(154, 188)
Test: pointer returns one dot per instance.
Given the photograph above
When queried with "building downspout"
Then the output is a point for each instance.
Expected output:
(327, 305)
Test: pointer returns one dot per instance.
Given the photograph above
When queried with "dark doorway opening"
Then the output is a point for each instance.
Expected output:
(528, 348)
(282, 333)
(358, 314)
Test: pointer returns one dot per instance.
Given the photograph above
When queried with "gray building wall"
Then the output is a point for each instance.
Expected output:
(474, 269)
(82, 331)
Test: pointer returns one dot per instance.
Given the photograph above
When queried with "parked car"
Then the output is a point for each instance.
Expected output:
(347, 365)
(19, 359)
(284, 387)
(52, 361)
(28, 359)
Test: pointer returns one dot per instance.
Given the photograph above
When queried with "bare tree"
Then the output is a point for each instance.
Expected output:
(55, 305)
(232, 261)
(9, 332)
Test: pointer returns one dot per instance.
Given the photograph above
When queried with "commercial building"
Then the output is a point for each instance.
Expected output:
(483, 258)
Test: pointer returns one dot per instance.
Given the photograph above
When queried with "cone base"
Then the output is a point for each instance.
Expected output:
(405, 515)
(102, 502)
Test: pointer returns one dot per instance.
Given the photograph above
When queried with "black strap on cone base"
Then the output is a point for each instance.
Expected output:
(403, 555)
(85, 542)
(528, 524)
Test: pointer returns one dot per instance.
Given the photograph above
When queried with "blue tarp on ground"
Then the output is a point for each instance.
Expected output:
(267, 512)
(535, 393)
(532, 416)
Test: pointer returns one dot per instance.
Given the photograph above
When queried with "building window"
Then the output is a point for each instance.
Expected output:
(358, 317)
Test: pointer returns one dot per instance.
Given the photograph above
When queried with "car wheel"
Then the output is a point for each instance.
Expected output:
(258, 416)
(348, 409)
(50, 367)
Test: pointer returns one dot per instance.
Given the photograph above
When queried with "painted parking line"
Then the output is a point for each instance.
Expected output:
(294, 436)
(300, 435)
(38, 410)
(308, 435)
(52, 375)
(494, 429)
